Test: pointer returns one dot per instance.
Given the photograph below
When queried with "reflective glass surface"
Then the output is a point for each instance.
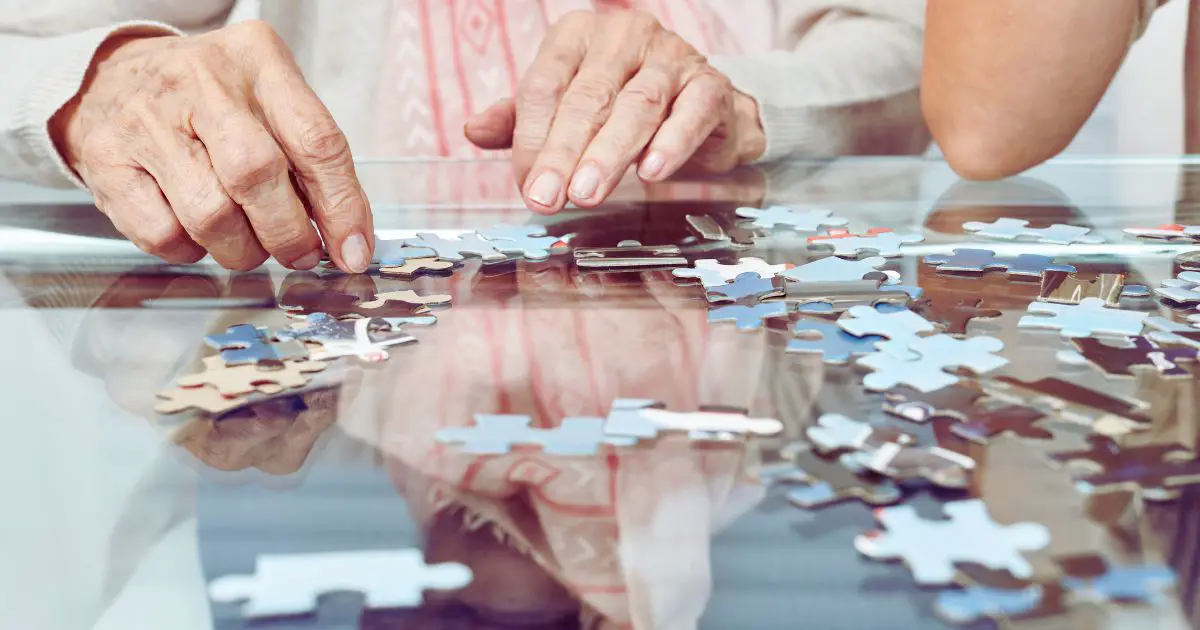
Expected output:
(116, 516)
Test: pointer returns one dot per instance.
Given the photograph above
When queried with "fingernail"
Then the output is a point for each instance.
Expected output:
(585, 182)
(652, 165)
(355, 255)
(310, 260)
(545, 189)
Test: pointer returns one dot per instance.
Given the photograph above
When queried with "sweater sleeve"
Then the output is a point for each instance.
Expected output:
(32, 91)
(845, 84)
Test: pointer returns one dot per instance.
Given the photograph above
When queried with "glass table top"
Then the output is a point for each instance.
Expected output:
(118, 516)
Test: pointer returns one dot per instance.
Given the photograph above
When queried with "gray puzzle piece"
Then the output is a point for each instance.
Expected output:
(930, 548)
(837, 345)
(529, 241)
(937, 353)
(455, 249)
(834, 269)
(981, 260)
(800, 220)
(748, 318)
(1008, 229)
(980, 602)
(497, 434)
(747, 287)
(1088, 318)
(245, 343)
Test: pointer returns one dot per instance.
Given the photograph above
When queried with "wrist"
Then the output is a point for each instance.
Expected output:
(752, 139)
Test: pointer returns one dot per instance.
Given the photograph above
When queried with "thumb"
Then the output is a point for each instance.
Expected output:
(493, 128)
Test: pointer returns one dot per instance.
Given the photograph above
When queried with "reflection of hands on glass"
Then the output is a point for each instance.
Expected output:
(626, 531)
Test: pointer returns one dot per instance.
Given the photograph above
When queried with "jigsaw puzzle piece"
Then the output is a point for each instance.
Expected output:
(629, 256)
(880, 243)
(956, 318)
(529, 241)
(901, 328)
(497, 434)
(835, 433)
(940, 466)
(1140, 354)
(1183, 290)
(1090, 317)
(645, 419)
(1008, 229)
(974, 603)
(815, 336)
(937, 353)
(456, 249)
(956, 401)
(1157, 471)
(245, 343)
(1124, 584)
(1015, 419)
(363, 339)
(711, 273)
(179, 399)
(930, 548)
(748, 318)
(834, 269)
(413, 267)
(284, 585)
(822, 482)
(799, 220)
(747, 288)
(1068, 288)
(236, 380)
(984, 260)
(393, 253)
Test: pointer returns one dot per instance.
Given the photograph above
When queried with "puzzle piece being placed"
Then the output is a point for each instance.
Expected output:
(983, 260)
(236, 380)
(391, 253)
(799, 220)
(284, 585)
(645, 419)
(815, 336)
(1007, 229)
(900, 327)
(748, 318)
(748, 288)
(931, 548)
(884, 243)
(456, 249)
(937, 353)
(244, 343)
(836, 433)
(414, 267)
(1089, 317)
(498, 434)
(711, 273)
(834, 269)
(529, 241)
(1158, 471)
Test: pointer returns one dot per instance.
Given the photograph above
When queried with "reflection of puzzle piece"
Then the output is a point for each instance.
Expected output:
(748, 318)
(835, 432)
(821, 482)
(937, 353)
(834, 269)
(747, 288)
(236, 380)
(711, 273)
(979, 602)
(1126, 584)
(300, 299)
(800, 220)
(886, 244)
(712, 228)
(956, 401)
(956, 318)
(1006, 229)
(815, 336)
(291, 584)
(245, 343)
(408, 296)
(1016, 419)
(529, 241)
(1100, 412)
(364, 344)
(982, 260)
(1141, 354)
(1157, 471)
(1090, 317)
(392, 253)
(939, 466)
(1069, 288)
(930, 548)
(456, 249)
(497, 434)
(414, 267)
(900, 327)
(208, 399)
(645, 419)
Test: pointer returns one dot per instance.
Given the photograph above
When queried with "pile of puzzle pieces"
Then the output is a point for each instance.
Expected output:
(843, 306)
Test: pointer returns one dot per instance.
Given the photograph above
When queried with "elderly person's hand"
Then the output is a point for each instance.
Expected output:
(608, 90)
(216, 144)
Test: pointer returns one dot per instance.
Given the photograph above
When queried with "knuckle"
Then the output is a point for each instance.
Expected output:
(643, 21)
(207, 212)
(539, 88)
(287, 240)
(256, 32)
(251, 169)
(575, 19)
(323, 143)
(646, 97)
(590, 98)
(162, 240)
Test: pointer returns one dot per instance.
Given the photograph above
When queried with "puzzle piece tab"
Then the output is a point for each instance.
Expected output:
(237, 380)
(711, 273)
(291, 584)
(748, 318)
(1008, 229)
(799, 220)
(983, 260)
(1089, 317)
(529, 241)
(244, 343)
(456, 249)
(815, 336)
(879, 243)
(937, 353)
(930, 548)
(900, 327)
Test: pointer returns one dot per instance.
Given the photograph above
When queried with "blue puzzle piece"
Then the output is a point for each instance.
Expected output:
(747, 287)
(748, 317)
(245, 343)
(395, 253)
(837, 345)
(979, 602)
(1137, 583)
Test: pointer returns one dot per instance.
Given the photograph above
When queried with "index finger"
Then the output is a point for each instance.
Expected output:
(324, 168)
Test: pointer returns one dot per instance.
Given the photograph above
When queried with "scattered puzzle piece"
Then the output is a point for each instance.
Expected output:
(710, 273)
(629, 256)
(391, 253)
(799, 220)
(1158, 471)
(529, 241)
(956, 401)
(835, 269)
(300, 299)
(937, 353)
(414, 267)
(836, 433)
(1008, 229)
(815, 336)
(880, 243)
(497, 434)
(407, 296)
(956, 318)
(285, 585)
(974, 603)
(1090, 317)
(748, 318)
(363, 339)
(1101, 412)
(900, 327)
(236, 380)
(983, 260)
(748, 288)
(1059, 287)
(712, 228)
(1183, 289)
(1016, 419)
(244, 343)
(940, 466)
(1141, 354)
(822, 482)
(456, 249)
(1167, 232)
(930, 548)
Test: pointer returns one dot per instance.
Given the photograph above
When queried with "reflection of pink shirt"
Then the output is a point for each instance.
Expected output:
(453, 58)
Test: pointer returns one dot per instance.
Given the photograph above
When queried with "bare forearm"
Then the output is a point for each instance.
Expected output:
(1008, 83)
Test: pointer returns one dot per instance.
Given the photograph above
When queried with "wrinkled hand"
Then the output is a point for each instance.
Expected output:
(608, 90)
(216, 144)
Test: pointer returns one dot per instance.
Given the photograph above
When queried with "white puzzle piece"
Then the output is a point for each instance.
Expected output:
(711, 273)
(1091, 317)
(799, 220)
